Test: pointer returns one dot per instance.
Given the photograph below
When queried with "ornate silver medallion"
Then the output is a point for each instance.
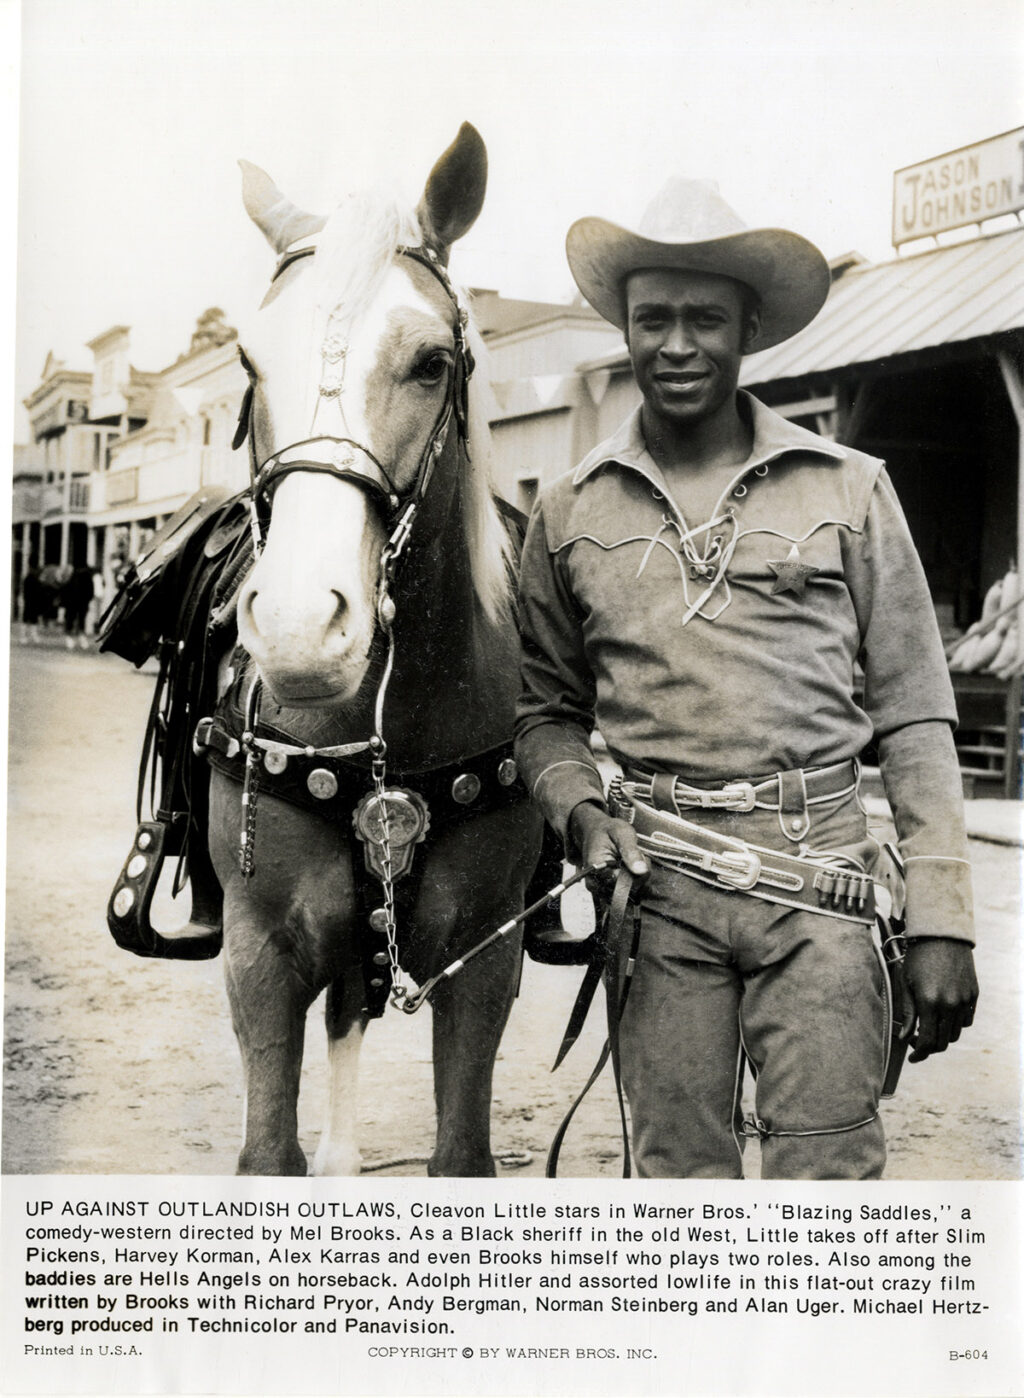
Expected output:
(408, 820)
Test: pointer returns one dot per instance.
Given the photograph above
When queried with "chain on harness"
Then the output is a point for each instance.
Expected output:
(348, 459)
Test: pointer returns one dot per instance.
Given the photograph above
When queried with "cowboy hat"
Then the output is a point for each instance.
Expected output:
(689, 226)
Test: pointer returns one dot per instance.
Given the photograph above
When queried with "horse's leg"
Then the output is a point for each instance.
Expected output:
(338, 1151)
(283, 935)
(268, 1010)
(470, 1010)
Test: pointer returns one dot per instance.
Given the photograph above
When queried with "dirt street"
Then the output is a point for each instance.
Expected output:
(117, 1065)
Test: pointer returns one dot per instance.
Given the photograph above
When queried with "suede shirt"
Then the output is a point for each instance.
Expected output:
(726, 649)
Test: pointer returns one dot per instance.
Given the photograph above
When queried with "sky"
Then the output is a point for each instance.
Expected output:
(133, 114)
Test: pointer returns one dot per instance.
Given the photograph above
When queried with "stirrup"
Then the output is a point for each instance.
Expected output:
(552, 945)
(547, 940)
(129, 906)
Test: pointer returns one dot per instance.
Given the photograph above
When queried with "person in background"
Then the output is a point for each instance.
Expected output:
(76, 597)
(31, 603)
(50, 583)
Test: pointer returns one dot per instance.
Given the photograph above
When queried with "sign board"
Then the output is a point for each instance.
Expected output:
(962, 187)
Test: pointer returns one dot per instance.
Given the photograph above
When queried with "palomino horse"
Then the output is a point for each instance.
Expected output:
(374, 701)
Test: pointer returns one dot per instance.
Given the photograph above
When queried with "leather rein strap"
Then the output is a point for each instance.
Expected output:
(622, 938)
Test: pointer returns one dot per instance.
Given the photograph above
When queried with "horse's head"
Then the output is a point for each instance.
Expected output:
(358, 365)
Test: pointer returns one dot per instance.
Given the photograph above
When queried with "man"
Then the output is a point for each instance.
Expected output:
(700, 589)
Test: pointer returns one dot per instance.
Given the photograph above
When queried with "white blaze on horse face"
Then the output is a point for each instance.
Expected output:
(307, 614)
(397, 367)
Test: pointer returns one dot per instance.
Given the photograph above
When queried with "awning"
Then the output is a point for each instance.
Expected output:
(963, 291)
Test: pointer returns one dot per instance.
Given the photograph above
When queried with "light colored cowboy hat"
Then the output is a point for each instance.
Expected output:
(689, 226)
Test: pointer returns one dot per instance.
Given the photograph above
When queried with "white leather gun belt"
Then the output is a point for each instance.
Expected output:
(825, 881)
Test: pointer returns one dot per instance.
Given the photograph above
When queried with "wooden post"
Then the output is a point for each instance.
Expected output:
(1015, 392)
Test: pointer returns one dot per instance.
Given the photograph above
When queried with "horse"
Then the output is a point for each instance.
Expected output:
(378, 655)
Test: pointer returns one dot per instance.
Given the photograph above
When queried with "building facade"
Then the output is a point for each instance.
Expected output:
(51, 501)
(115, 450)
(538, 412)
(184, 444)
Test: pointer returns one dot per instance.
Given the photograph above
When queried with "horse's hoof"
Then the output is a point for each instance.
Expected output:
(295, 1163)
(482, 1168)
(344, 1161)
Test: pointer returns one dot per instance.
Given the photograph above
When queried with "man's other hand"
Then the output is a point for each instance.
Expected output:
(603, 839)
(941, 981)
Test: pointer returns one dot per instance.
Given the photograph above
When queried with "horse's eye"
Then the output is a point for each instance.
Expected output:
(431, 368)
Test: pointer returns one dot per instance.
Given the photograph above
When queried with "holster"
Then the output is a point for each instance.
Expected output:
(832, 882)
(892, 925)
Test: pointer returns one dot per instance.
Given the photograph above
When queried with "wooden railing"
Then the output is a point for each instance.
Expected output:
(75, 500)
(122, 486)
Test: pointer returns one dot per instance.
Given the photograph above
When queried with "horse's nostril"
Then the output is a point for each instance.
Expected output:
(340, 615)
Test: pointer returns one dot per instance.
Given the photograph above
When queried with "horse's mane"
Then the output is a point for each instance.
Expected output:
(491, 551)
(354, 251)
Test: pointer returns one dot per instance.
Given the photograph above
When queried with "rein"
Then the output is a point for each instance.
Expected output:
(349, 460)
(413, 1002)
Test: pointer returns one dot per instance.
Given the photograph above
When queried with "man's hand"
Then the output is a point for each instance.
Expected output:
(941, 981)
(602, 839)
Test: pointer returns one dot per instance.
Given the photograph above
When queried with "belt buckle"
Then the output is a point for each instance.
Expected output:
(735, 796)
(739, 869)
(740, 796)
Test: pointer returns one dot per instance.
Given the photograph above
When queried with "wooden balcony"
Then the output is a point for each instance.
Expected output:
(59, 499)
(122, 487)
(27, 502)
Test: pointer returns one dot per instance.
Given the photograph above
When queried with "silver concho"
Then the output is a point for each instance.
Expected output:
(322, 784)
(408, 821)
(507, 771)
(124, 902)
(466, 788)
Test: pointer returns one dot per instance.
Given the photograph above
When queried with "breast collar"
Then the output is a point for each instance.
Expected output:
(343, 457)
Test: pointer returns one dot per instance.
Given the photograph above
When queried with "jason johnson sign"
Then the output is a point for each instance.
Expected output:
(964, 186)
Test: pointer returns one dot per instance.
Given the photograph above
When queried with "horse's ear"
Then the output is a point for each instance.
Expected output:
(454, 193)
(277, 218)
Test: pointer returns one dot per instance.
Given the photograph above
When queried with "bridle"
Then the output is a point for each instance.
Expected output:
(347, 459)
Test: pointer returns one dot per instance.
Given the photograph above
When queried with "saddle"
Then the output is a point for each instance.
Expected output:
(177, 601)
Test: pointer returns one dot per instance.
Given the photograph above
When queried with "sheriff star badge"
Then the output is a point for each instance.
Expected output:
(791, 575)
